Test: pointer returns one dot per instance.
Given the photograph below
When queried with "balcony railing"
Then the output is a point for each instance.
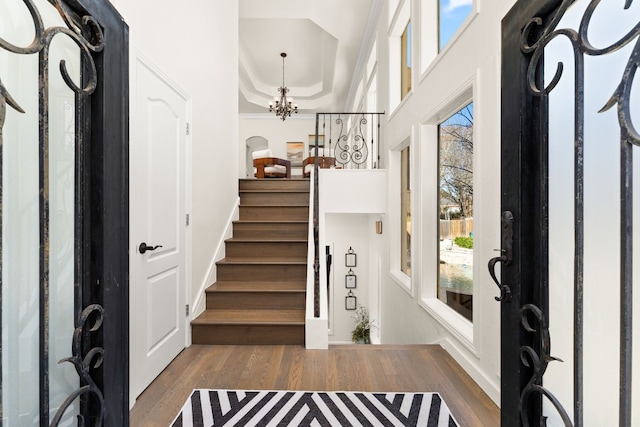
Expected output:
(353, 139)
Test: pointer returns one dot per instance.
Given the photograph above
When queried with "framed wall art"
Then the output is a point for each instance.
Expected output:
(295, 153)
(350, 301)
(350, 280)
(350, 258)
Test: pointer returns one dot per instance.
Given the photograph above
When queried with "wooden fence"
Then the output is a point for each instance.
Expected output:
(450, 229)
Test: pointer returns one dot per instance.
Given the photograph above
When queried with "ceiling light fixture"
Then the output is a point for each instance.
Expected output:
(283, 107)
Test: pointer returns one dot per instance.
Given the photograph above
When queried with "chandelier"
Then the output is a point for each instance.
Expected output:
(283, 107)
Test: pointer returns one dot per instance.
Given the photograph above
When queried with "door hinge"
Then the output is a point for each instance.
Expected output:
(187, 219)
(188, 129)
(186, 310)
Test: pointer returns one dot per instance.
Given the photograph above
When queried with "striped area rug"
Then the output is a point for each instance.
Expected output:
(300, 408)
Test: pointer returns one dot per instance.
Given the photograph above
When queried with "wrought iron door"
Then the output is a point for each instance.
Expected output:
(64, 212)
(568, 142)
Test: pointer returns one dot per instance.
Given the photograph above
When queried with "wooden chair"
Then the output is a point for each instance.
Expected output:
(326, 160)
(267, 166)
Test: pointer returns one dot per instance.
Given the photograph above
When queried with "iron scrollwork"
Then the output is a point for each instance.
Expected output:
(83, 363)
(538, 362)
(535, 37)
(86, 33)
(355, 152)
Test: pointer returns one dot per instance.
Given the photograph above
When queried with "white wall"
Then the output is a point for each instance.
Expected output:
(468, 69)
(197, 48)
(344, 231)
(278, 133)
(470, 66)
(351, 201)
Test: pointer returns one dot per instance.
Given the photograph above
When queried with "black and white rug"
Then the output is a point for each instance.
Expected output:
(206, 408)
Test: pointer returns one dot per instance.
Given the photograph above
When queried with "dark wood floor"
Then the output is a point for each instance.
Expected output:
(350, 368)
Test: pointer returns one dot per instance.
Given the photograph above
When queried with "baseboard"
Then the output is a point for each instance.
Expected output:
(488, 385)
(199, 305)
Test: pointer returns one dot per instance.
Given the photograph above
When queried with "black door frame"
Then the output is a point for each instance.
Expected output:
(108, 200)
(520, 157)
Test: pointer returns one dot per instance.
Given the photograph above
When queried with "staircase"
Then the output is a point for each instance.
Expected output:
(259, 295)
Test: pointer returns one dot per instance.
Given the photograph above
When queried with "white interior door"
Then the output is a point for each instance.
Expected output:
(159, 197)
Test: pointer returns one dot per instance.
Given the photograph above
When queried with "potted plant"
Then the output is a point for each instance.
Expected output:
(362, 331)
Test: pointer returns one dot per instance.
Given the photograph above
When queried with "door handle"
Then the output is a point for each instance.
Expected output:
(144, 248)
(506, 255)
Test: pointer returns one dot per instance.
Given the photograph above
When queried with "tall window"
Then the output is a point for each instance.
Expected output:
(405, 211)
(455, 158)
(405, 61)
(452, 14)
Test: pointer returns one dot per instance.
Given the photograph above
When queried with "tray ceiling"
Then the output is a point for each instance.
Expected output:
(324, 45)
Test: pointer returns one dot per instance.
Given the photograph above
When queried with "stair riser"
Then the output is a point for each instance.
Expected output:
(288, 213)
(274, 198)
(280, 250)
(248, 334)
(292, 231)
(257, 272)
(274, 184)
(255, 300)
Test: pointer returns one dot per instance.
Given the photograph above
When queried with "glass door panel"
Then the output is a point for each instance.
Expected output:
(21, 220)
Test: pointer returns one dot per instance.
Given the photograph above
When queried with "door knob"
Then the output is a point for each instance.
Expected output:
(144, 248)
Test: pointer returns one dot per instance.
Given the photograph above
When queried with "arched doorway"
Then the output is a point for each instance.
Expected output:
(252, 144)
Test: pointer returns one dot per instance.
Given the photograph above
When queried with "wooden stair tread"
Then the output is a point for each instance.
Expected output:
(280, 204)
(242, 286)
(267, 239)
(262, 261)
(259, 297)
(275, 190)
(273, 206)
(255, 317)
(270, 221)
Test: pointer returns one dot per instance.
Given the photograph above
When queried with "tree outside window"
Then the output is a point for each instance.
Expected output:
(455, 208)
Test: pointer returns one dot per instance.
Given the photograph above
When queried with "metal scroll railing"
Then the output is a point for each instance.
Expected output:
(342, 141)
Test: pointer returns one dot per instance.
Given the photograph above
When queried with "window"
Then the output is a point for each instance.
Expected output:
(400, 239)
(405, 211)
(405, 61)
(400, 58)
(455, 210)
(452, 14)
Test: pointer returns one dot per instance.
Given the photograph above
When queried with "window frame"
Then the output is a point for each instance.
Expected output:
(461, 328)
(395, 153)
(439, 240)
(429, 35)
(401, 19)
(463, 25)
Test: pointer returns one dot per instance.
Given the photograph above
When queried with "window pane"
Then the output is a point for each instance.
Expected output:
(455, 158)
(452, 15)
(405, 61)
(405, 212)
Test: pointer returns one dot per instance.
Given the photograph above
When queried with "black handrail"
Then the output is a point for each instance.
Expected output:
(349, 149)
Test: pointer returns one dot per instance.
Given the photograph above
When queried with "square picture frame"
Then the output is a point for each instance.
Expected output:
(350, 302)
(350, 281)
(350, 258)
